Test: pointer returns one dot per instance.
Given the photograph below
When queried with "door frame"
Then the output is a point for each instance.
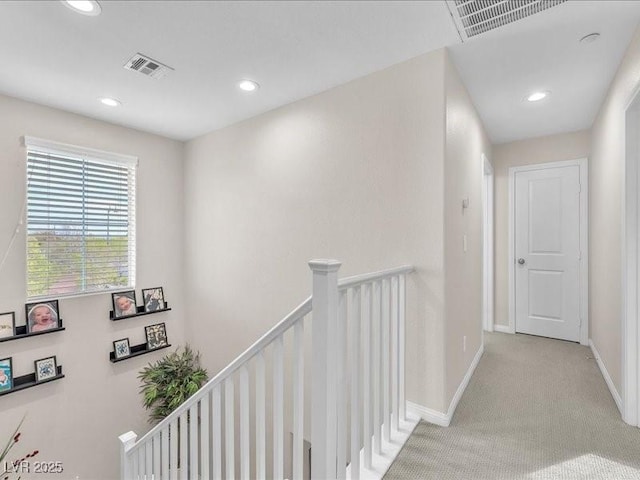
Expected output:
(630, 333)
(488, 245)
(584, 241)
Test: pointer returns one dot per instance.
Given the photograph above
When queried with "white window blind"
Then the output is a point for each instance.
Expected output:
(80, 220)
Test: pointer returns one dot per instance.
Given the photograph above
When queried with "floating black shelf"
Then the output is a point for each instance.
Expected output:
(27, 381)
(21, 332)
(136, 351)
(140, 313)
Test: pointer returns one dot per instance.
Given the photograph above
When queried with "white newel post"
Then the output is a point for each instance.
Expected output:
(324, 378)
(127, 441)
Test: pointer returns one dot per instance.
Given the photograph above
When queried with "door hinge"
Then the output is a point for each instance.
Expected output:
(579, 187)
(579, 255)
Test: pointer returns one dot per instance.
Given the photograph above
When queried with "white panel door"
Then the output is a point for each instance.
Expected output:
(547, 252)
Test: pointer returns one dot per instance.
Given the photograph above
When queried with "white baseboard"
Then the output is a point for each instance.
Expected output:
(501, 328)
(444, 419)
(607, 377)
(428, 414)
(463, 384)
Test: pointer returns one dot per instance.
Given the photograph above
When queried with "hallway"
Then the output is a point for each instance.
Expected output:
(535, 408)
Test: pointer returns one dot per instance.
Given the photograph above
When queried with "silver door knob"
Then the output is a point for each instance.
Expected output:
(521, 261)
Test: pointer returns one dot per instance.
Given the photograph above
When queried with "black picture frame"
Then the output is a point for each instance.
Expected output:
(6, 374)
(46, 368)
(122, 308)
(7, 324)
(121, 348)
(36, 314)
(156, 336)
(153, 299)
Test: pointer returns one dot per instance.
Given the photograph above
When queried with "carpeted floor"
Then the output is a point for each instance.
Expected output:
(535, 408)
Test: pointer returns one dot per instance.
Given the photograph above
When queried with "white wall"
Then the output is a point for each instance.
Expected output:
(466, 141)
(77, 420)
(551, 148)
(354, 173)
(605, 186)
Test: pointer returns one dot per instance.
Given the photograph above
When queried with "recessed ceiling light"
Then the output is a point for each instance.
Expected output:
(248, 85)
(537, 96)
(110, 102)
(85, 7)
(592, 37)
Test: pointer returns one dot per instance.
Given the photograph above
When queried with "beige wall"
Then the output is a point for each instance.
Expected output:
(466, 141)
(606, 182)
(552, 148)
(77, 420)
(354, 173)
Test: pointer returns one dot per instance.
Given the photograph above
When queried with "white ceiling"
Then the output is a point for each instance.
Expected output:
(53, 56)
(543, 52)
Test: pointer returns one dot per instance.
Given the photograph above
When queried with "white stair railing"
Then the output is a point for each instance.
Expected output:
(234, 426)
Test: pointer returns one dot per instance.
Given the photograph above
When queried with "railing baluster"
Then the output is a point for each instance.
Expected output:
(278, 408)
(375, 364)
(366, 374)
(193, 441)
(156, 457)
(229, 428)
(148, 463)
(354, 361)
(401, 344)
(394, 354)
(261, 447)
(205, 407)
(386, 407)
(184, 443)
(216, 427)
(135, 463)
(341, 387)
(173, 449)
(245, 450)
(298, 400)
(164, 447)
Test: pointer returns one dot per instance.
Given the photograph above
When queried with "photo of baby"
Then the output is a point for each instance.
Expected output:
(42, 316)
(124, 303)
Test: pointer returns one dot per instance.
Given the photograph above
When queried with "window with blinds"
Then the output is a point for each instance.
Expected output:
(80, 220)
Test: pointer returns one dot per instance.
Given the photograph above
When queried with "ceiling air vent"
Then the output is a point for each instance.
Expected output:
(147, 66)
(474, 17)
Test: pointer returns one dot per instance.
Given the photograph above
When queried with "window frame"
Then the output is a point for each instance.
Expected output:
(88, 155)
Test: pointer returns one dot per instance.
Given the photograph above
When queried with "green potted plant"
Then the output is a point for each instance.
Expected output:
(167, 383)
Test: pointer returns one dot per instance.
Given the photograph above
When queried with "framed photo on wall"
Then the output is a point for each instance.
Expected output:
(153, 299)
(7, 324)
(42, 316)
(124, 303)
(46, 368)
(121, 348)
(6, 374)
(156, 336)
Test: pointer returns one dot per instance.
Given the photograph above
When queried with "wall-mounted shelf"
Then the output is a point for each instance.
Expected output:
(136, 351)
(21, 332)
(140, 313)
(27, 381)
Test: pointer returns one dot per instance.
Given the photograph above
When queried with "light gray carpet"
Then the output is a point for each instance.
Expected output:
(534, 409)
